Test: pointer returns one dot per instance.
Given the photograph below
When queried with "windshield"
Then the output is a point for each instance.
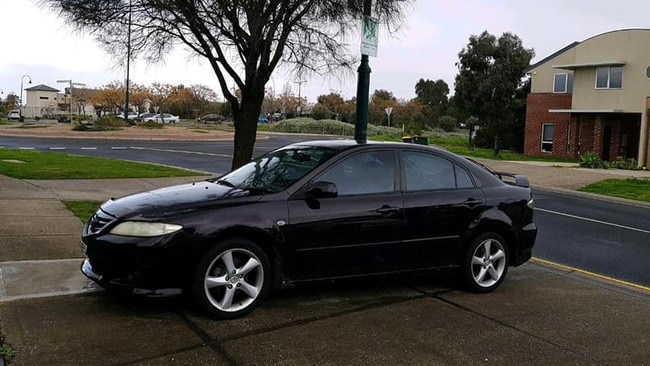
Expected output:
(277, 170)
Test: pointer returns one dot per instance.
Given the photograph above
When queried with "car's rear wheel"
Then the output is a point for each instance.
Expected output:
(486, 263)
(231, 279)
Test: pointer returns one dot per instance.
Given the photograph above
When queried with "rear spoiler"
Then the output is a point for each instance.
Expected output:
(514, 179)
(508, 178)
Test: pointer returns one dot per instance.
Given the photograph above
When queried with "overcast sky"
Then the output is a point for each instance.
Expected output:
(38, 44)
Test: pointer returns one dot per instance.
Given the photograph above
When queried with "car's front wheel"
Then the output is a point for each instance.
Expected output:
(231, 279)
(486, 263)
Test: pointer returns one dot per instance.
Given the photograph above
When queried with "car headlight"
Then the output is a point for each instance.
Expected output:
(531, 204)
(145, 229)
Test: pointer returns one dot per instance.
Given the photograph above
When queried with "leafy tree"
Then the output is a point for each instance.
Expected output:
(433, 94)
(379, 101)
(160, 96)
(10, 101)
(109, 98)
(382, 95)
(202, 99)
(491, 70)
(332, 102)
(139, 98)
(320, 112)
(243, 41)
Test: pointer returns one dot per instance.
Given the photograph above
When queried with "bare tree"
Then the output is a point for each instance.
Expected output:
(244, 41)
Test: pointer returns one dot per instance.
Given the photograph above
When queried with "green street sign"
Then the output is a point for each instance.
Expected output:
(369, 39)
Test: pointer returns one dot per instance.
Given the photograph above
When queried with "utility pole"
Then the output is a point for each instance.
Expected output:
(72, 85)
(363, 89)
(128, 60)
(299, 97)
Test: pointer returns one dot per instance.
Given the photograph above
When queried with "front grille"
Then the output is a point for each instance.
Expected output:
(99, 221)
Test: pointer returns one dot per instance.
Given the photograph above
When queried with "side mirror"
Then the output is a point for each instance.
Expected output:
(322, 189)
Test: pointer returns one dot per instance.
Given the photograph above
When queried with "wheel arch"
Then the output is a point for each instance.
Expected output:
(263, 239)
(497, 225)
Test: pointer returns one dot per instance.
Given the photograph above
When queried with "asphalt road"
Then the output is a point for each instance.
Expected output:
(598, 236)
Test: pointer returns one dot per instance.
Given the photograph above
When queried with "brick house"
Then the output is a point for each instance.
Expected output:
(592, 96)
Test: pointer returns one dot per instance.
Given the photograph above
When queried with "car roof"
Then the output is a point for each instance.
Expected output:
(345, 144)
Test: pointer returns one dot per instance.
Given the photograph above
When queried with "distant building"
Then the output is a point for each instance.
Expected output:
(43, 100)
(592, 96)
(40, 100)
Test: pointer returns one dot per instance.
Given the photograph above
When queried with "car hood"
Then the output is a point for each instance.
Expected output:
(173, 200)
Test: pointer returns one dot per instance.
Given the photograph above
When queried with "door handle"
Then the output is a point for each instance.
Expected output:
(387, 210)
(471, 202)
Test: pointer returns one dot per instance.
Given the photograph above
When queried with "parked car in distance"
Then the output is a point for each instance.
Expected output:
(211, 118)
(14, 114)
(313, 211)
(262, 120)
(142, 116)
(162, 118)
(131, 115)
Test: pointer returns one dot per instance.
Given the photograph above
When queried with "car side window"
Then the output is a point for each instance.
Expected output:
(463, 180)
(424, 171)
(363, 173)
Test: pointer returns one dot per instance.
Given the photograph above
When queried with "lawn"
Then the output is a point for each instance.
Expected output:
(634, 189)
(83, 209)
(29, 164)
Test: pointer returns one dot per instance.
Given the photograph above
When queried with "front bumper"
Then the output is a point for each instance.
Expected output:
(121, 285)
(137, 265)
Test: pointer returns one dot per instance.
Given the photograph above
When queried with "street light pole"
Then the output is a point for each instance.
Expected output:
(72, 85)
(299, 97)
(22, 78)
(128, 60)
(363, 90)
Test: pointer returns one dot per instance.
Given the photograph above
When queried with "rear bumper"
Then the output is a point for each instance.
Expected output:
(524, 246)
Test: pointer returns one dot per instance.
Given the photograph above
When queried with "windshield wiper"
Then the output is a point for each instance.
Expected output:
(255, 189)
(224, 182)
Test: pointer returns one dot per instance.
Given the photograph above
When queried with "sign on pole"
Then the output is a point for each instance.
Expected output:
(369, 39)
(389, 110)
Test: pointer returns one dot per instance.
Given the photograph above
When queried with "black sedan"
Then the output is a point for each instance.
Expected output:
(313, 211)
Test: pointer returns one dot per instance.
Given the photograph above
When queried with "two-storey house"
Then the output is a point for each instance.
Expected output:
(592, 96)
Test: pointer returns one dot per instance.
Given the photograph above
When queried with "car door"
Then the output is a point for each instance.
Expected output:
(358, 231)
(441, 203)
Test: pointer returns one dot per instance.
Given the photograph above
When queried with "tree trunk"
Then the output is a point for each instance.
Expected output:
(245, 132)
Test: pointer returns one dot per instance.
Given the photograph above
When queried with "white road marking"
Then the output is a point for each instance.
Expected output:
(119, 147)
(88, 148)
(181, 152)
(594, 221)
(25, 148)
(57, 148)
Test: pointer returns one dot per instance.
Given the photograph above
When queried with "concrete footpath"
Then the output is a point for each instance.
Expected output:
(543, 314)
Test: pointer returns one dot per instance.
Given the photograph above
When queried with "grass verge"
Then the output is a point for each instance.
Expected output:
(632, 188)
(83, 209)
(29, 164)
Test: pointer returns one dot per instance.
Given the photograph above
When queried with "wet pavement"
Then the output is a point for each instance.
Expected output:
(542, 314)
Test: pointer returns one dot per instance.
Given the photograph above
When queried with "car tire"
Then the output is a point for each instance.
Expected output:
(486, 263)
(231, 279)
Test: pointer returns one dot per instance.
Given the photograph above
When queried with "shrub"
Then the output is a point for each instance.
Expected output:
(319, 113)
(624, 163)
(151, 125)
(110, 121)
(447, 123)
(593, 161)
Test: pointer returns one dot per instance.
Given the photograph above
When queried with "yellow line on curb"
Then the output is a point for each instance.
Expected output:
(582, 271)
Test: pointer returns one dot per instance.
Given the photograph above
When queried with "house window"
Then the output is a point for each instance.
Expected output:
(547, 137)
(563, 83)
(609, 77)
(43, 98)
